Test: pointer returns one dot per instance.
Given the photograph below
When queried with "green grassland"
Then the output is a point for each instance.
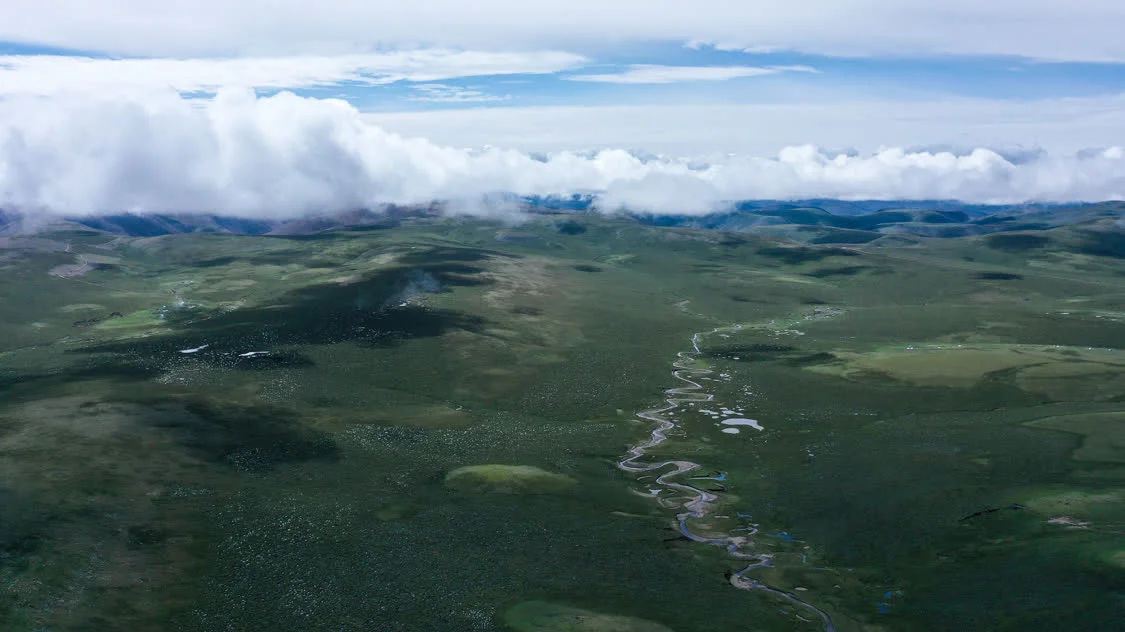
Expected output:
(429, 441)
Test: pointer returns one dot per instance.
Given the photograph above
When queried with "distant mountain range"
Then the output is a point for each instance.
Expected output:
(863, 222)
(811, 221)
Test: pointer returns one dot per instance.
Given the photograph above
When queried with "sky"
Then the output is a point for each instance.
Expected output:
(293, 107)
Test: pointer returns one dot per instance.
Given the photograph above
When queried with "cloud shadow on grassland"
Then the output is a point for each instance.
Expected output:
(369, 310)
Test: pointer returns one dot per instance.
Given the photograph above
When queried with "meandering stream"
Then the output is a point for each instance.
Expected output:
(693, 502)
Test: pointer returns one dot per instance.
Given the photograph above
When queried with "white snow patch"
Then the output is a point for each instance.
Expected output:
(738, 421)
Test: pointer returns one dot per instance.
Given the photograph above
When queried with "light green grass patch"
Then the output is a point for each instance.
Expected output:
(146, 319)
(508, 479)
(542, 616)
(1074, 381)
(432, 417)
(1115, 558)
(1103, 434)
(1075, 502)
(963, 366)
(616, 259)
(81, 307)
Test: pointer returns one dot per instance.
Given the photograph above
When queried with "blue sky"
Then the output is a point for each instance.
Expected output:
(902, 77)
(855, 98)
(469, 97)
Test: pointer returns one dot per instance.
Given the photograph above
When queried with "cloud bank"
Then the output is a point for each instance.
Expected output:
(1060, 125)
(288, 156)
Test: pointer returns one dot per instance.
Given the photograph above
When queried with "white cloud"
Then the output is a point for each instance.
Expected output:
(441, 93)
(645, 73)
(45, 75)
(287, 156)
(1087, 30)
(756, 49)
(1058, 125)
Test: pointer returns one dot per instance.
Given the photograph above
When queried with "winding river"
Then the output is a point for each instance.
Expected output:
(692, 502)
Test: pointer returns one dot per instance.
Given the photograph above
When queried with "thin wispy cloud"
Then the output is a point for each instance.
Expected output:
(441, 93)
(655, 74)
(756, 49)
(50, 74)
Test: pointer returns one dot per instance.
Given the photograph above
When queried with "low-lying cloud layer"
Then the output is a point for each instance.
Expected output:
(287, 156)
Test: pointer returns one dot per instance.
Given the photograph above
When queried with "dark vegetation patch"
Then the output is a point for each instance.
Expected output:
(997, 276)
(732, 240)
(751, 348)
(386, 224)
(216, 262)
(796, 255)
(30, 386)
(750, 352)
(451, 273)
(368, 311)
(274, 360)
(1028, 226)
(991, 510)
(587, 268)
(326, 235)
(21, 527)
(90, 322)
(243, 226)
(329, 229)
(447, 254)
(284, 257)
(1103, 244)
(876, 219)
(993, 219)
(810, 359)
(9, 379)
(872, 221)
(846, 237)
(145, 535)
(111, 368)
(137, 226)
(813, 216)
(571, 227)
(785, 354)
(953, 232)
(839, 271)
(1016, 242)
(249, 438)
(517, 238)
(943, 217)
(879, 219)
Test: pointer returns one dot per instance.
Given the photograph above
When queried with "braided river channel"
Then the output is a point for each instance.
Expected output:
(691, 502)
